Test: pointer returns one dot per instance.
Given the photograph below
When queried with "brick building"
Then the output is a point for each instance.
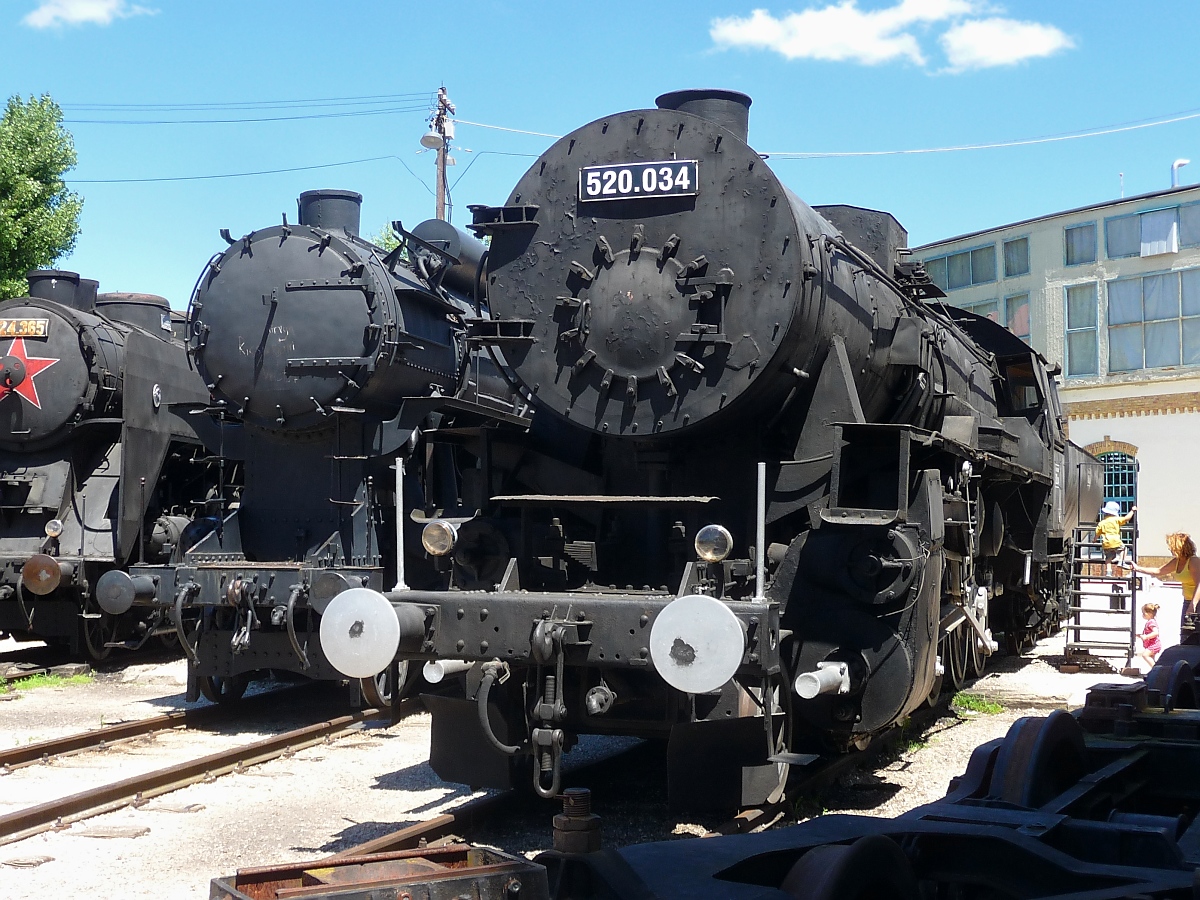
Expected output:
(1110, 292)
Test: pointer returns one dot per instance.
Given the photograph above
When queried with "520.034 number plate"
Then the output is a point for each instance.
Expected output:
(668, 178)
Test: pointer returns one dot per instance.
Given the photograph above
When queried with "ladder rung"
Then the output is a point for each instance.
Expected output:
(1104, 612)
(1096, 645)
(1074, 627)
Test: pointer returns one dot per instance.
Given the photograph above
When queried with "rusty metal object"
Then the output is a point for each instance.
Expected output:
(577, 828)
(452, 871)
(444, 829)
(41, 574)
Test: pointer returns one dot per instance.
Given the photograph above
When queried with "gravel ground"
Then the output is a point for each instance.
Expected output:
(376, 779)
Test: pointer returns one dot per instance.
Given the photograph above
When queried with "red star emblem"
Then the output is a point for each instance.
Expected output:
(34, 366)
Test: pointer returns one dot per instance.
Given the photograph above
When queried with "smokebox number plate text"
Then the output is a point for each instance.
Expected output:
(669, 178)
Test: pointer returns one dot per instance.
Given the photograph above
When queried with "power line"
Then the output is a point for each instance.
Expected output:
(1134, 125)
(510, 130)
(348, 162)
(479, 153)
(367, 99)
(1025, 142)
(334, 115)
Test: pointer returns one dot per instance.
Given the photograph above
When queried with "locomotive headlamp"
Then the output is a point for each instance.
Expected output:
(713, 543)
(438, 537)
(54, 528)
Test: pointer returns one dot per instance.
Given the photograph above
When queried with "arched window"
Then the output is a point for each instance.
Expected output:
(1120, 479)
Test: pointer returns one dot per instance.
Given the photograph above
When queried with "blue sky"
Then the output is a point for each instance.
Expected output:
(870, 75)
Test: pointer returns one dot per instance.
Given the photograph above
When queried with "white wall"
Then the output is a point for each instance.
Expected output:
(1168, 477)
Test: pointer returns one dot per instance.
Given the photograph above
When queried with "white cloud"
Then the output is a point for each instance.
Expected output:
(983, 43)
(55, 13)
(841, 31)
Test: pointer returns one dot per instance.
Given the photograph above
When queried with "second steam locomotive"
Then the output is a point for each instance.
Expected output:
(322, 354)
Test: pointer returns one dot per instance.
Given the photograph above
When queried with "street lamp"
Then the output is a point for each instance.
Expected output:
(1175, 167)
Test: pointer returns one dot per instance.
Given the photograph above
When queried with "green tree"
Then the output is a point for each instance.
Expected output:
(39, 217)
(385, 238)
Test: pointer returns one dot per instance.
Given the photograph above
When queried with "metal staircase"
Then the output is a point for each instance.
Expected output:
(1102, 618)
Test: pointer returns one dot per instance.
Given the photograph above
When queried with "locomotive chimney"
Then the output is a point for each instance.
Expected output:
(62, 287)
(330, 209)
(729, 109)
(86, 295)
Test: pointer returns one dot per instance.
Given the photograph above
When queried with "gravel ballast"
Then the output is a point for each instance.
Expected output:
(376, 779)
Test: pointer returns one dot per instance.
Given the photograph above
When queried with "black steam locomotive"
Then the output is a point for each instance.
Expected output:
(323, 354)
(100, 463)
(774, 491)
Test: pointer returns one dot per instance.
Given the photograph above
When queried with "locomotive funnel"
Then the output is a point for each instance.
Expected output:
(63, 287)
(147, 311)
(330, 209)
(729, 109)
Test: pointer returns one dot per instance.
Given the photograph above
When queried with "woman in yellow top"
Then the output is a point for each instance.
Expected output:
(1184, 564)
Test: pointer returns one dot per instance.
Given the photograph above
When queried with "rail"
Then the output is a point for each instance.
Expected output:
(62, 812)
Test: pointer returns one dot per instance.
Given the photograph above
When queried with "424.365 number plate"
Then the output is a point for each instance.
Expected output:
(15, 328)
(668, 178)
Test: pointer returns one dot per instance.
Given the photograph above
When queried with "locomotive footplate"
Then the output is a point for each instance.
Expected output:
(253, 616)
(596, 630)
(694, 669)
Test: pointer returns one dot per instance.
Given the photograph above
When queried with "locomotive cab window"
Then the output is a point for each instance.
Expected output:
(1021, 387)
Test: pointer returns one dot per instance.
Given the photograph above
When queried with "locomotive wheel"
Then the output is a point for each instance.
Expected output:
(375, 692)
(781, 703)
(1012, 642)
(935, 691)
(872, 868)
(976, 657)
(219, 689)
(97, 632)
(956, 658)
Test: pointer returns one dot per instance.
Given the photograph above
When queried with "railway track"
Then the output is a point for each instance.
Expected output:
(136, 790)
(110, 735)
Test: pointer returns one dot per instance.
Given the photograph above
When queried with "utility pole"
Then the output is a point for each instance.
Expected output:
(441, 132)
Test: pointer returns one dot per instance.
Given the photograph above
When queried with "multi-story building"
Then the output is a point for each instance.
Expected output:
(1110, 292)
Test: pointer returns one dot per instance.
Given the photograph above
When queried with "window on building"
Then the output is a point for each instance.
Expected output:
(1120, 479)
(1154, 321)
(1016, 257)
(1080, 244)
(1123, 237)
(1189, 225)
(1082, 306)
(1016, 315)
(960, 270)
(1149, 233)
(1160, 232)
(983, 265)
(989, 309)
(936, 270)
